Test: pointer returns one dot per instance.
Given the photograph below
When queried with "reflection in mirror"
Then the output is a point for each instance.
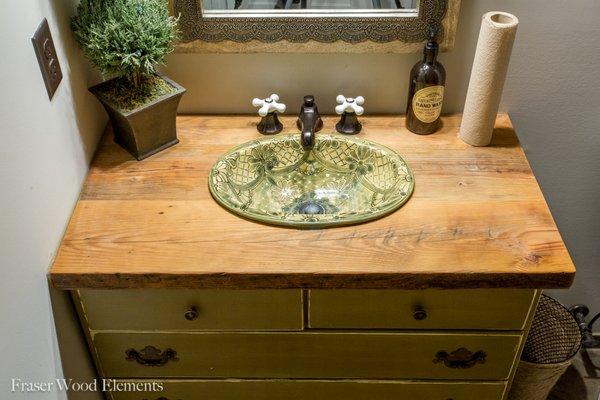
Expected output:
(299, 5)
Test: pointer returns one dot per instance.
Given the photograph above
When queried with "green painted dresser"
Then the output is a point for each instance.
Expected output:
(350, 344)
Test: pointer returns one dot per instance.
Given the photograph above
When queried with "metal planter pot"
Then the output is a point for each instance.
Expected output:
(147, 129)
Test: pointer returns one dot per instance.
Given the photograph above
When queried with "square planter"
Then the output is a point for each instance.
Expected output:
(148, 129)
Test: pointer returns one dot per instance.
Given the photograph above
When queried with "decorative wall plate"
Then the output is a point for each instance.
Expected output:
(342, 181)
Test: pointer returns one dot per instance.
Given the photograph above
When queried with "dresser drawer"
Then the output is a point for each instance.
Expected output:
(483, 309)
(192, 310)
(388, 355)
(312, 390)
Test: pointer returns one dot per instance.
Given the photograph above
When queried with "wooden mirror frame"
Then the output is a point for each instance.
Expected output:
(262, 31)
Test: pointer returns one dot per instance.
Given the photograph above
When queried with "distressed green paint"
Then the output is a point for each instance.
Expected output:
(235, 389)
(485, 309)
(217, 309)
(308, 354)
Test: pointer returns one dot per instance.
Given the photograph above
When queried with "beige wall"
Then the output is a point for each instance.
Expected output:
(552, 94)
(45, 151)
(553, 97)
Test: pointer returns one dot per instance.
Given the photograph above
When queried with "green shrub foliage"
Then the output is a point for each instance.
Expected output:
(125, 38)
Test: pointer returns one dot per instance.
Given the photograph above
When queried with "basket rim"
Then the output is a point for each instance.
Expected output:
(579, 341)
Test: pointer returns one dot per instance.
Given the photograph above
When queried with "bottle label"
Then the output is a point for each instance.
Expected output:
(427, 103)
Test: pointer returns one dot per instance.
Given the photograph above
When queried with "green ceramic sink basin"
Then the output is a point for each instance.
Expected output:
(342, 180)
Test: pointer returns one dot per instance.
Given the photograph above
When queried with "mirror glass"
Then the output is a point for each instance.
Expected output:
(295, 6)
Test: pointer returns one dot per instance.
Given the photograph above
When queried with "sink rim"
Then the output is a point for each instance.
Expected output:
(319, 224)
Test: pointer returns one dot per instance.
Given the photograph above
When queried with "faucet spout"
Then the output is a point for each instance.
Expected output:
(307, 139)
(309, 122)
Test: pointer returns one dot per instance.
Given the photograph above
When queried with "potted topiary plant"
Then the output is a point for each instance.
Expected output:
(126, 40)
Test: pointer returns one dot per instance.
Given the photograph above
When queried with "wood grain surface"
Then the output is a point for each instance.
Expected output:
(477, 218)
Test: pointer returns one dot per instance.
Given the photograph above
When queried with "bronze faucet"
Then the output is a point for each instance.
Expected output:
(309, 122)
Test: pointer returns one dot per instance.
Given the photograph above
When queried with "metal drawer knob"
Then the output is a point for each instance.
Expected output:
(419, 314)
(150, 356)
(191, 314)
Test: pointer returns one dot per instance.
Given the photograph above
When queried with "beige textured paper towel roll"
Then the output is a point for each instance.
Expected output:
(494, 46)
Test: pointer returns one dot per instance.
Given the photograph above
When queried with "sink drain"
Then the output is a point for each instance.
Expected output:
(310, 207)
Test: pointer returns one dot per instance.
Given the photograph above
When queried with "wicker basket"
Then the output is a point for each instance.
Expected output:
(553, 341)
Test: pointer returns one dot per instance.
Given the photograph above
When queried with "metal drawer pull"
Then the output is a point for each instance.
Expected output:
(191, 314)
(460, 358)
(419, 314)
(164, 398)
(151, 356)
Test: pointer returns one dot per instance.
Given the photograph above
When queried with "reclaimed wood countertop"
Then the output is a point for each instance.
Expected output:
(477, 218)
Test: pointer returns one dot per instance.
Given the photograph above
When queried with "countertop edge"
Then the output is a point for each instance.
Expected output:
(546, 280)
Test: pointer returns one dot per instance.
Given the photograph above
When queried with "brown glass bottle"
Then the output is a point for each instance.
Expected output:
(426, 91)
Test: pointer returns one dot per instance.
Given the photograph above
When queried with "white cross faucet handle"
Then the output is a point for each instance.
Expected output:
(351, 105)
(268, 105)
